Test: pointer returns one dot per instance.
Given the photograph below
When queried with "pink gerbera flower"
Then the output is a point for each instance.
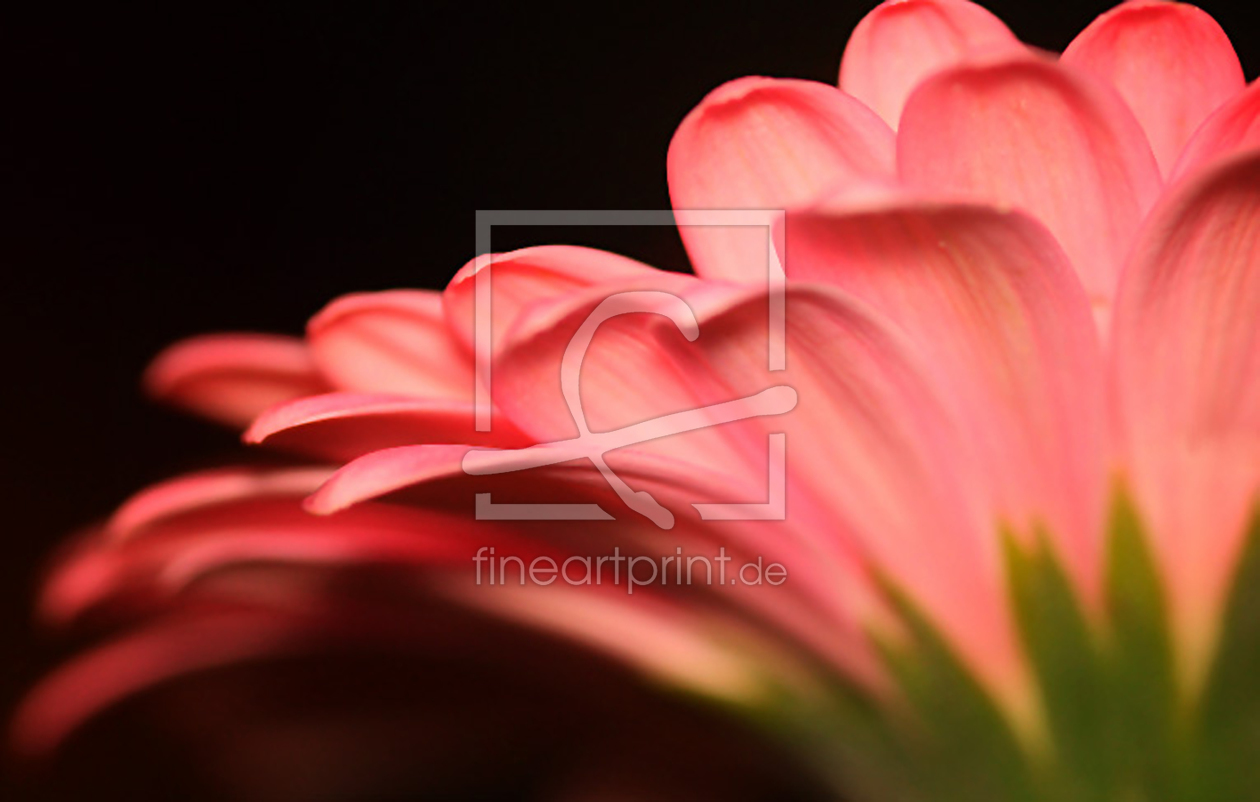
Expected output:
(1014, 558)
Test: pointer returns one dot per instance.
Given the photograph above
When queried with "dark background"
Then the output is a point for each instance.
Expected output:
(172, 170)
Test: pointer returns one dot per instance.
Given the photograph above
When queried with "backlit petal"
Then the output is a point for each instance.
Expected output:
(1188, 381)
(391, 342)
(1005, 330)
(520, 278)
(902, 42)
(766, 143)
(1034, 136)
(1171, 62)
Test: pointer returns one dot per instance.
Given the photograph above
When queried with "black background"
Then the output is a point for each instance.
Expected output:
(176, 169)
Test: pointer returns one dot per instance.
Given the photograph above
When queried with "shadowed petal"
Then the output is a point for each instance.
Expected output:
(766, 143)
(825, 607)
(680, 645)
(151, 565)
(699, 651)
(1034, 136)
(1171, 62)
(230, 378)
(902, 42)
(193, 493)
(96, 680)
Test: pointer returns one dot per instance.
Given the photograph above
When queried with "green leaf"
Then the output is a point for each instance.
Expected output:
(1228, 755)
(959, 741)
(1147, 741)
(1067, 661)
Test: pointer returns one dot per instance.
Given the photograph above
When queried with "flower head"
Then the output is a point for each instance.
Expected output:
(1017, 519)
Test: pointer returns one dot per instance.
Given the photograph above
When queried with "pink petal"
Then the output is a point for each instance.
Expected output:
(867, 434)
(194, 493)
(1034, 136)
(902, 42)
(1005, 330)
(367, 535)
(1171, 62)
(1233, 128)
(1187, 364)
(391, 342)
(765, 143)
(523, 277)
(342, 426)
(384, 472)
(230, 378)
